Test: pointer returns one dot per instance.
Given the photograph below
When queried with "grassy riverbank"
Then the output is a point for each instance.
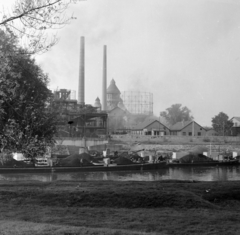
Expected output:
(166, 207)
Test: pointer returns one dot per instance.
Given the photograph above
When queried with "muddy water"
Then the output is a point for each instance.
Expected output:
(181, 173)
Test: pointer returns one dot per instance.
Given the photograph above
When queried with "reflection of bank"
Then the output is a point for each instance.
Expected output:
(106, 176)
(44, 177)
(191, 173)
(220, 174)
(213, 173)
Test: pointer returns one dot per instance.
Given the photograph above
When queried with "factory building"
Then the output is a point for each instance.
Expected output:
(76, 119)
(151, 127)
(117, 113)
(113, 113)
(123, 119)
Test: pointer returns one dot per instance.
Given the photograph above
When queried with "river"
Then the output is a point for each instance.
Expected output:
(223, 173)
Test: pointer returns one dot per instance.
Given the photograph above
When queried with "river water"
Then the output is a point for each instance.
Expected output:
(223, 173)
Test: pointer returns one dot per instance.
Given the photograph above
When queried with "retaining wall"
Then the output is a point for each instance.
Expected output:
(81, 142)
(188, 148)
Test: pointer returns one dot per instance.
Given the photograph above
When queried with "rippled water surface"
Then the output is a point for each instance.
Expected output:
(181, 173)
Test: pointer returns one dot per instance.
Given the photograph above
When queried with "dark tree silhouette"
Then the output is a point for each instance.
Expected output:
(221, 124)
(26, 123)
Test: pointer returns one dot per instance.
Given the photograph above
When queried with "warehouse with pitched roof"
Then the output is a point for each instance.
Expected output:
(151, 127)
(187, 128)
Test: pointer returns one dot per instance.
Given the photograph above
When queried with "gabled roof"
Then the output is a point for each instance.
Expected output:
(112, 89)
(181, 125)
(208, 128)
(164, 122)
(237, 118)
(147, 123)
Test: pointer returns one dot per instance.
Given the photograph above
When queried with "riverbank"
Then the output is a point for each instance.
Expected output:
(161, 207)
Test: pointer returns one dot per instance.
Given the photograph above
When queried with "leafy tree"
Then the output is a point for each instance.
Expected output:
(26, 123)
(32, 20)
(177, 113)
(221, 124)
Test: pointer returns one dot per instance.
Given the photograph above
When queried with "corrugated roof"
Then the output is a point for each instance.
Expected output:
(112, 89)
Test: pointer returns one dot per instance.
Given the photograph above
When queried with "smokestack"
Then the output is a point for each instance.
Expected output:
(81, 81)
(104, 81)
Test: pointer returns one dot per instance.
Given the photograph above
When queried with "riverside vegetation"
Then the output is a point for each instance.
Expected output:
(163, 207)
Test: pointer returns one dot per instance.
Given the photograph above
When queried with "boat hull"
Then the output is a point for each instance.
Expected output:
(132, 167)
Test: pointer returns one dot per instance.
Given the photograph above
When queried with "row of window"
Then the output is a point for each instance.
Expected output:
(190, 133)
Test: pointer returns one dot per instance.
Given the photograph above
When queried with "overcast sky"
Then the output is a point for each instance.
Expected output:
(182, 51)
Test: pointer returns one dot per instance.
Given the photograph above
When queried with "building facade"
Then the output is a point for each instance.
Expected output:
(78, 120)
(235, 131)
(151, 127)
(187, 128)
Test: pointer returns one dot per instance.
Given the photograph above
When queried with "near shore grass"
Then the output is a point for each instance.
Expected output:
(163, 207)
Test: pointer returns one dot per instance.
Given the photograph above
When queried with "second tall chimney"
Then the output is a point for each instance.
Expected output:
(81, 81)
(104, 81)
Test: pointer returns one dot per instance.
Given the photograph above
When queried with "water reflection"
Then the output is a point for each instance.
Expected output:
(184, 173)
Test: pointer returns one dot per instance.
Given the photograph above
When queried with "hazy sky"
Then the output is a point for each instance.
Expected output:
(182, 51)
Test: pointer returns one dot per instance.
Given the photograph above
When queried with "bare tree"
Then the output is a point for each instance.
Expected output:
(32, 22)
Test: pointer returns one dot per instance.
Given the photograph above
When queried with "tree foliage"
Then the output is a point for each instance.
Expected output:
(177, 113)
(221, 124)
(26, 124)
(32, 22)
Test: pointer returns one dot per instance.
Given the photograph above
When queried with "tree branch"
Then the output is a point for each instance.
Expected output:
(28, 12)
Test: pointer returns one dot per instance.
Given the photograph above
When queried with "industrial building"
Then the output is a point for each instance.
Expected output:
(151, 127)
(235, 130)
(138, 102)
(113, 113)
(188, 128)
(76, 119)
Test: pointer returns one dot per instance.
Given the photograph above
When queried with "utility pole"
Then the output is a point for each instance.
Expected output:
(159, 126)
(192, 128)
(223, 129)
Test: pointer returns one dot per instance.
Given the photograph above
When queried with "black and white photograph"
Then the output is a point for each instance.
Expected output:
(119, 117)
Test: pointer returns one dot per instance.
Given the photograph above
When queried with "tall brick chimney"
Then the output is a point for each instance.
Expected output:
(104, 81)
(81, 81)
